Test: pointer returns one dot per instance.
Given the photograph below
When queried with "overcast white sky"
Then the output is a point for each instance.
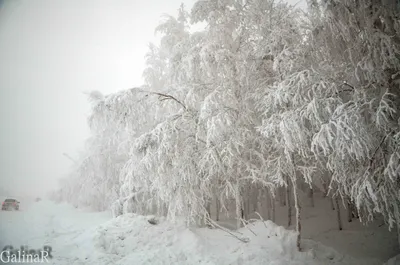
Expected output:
(51, 51)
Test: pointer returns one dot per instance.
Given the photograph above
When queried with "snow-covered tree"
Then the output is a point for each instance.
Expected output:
(336, 103)
(265, 97)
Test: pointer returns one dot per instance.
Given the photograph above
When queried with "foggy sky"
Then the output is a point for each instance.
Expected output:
(51, 51)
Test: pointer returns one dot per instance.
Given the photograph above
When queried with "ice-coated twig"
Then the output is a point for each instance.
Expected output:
(261, 219)
(242, 239)
(245, 225)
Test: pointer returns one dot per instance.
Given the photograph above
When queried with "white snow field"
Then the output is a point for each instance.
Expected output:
(83, 237)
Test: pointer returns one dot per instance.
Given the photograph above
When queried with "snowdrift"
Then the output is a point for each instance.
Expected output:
(132, 239)
(393, 261)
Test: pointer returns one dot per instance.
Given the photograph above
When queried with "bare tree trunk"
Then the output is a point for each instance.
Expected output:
(245, 203)
(218, 208)
(288, 201)
(298, 211)
(326, 190)
(398, 234)
(339, 219)
(332, 204)
(272, 207)
(311, 196)
(349, 210)
(254, 197)
(267, 203)
(208, 209)
(355, 212)
(239, 209)
(245, 211)
(248, 203)
(259, 202)
(281, 196)
(353, 208)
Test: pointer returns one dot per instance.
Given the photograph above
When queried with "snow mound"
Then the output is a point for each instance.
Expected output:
(394, 261)
(270, 244)
(132, 239)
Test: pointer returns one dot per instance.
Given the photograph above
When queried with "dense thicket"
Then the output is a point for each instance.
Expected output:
(267, 98)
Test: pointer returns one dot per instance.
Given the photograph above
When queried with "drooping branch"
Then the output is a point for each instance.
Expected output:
(347, 84)
(164, 96)
(373, 157)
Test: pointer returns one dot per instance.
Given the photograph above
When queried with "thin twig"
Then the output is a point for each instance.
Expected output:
(343, 90)
(244, 240)
(245, 225)
(166, 97)
(261, 219)
(376, 150)
(347, 84)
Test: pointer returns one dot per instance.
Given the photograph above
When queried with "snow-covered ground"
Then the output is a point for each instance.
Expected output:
(45, 223)
(83, 237)
(371, 244)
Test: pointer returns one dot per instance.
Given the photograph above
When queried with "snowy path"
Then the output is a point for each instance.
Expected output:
(44, 223)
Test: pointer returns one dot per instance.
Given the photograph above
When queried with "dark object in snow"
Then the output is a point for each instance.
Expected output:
(152, 221)
(10, 204)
